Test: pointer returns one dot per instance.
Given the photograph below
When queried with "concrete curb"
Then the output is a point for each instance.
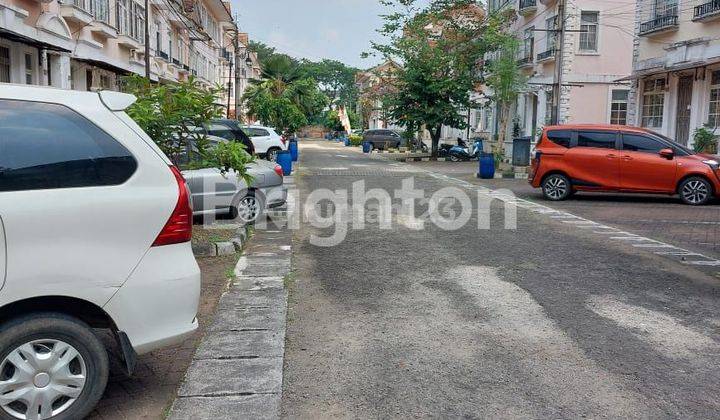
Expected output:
(215, 249)
(237, 371)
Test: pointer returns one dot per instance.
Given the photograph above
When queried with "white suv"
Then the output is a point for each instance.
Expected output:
(95, 229)
(266, 140)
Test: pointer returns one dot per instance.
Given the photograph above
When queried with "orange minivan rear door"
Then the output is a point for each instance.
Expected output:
(641, 166)
(594, 160)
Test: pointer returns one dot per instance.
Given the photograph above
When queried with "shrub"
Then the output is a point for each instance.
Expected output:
(356, 140)
(705, 140)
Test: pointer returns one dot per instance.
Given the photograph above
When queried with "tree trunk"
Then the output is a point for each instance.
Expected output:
(435, 136)
(504, 121)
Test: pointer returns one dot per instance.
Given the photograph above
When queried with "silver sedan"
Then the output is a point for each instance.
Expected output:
(214, 193)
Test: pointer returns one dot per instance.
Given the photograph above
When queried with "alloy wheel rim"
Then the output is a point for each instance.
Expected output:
(248, 209)
(41, 379)
(555, 188)
(272, 155)
(695, 192)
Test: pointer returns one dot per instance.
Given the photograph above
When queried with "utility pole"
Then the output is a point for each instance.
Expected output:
(147, 39)
(238, 63)
(229, 88)
(557, 88)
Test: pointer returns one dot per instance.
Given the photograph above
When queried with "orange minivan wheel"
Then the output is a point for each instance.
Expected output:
(556, 187)
(695, 191)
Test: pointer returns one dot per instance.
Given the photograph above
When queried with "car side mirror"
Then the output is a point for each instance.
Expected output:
(668, 154)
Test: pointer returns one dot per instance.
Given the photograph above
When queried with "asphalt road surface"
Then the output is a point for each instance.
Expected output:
(548, 320)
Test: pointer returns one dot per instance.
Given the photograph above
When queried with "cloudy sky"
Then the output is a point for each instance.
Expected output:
(313, 29)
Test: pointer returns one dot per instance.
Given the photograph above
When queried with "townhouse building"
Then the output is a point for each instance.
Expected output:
(572, 78)
(91, 44)
(676, 67)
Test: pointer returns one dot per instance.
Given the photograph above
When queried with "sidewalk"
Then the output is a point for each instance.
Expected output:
(237, 370)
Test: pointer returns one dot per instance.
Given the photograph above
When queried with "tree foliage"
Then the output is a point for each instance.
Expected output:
(440, 46)
(169, 114)
(335, 79)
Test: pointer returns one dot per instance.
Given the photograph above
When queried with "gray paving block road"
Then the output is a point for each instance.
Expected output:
(550, 320)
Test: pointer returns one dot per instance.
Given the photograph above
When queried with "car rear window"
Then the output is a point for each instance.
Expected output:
(560, 137)
(49, 146)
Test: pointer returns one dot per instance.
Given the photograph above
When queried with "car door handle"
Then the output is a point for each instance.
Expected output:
(611, 156)
(627, 158)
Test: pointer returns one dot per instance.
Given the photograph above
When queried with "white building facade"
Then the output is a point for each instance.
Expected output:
(594, 56)
(91, 44)
(676, 67)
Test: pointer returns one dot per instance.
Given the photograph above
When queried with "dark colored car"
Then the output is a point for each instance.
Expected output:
(230, 130)
(383, 138)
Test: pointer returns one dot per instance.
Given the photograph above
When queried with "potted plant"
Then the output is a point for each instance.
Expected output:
(705, 140)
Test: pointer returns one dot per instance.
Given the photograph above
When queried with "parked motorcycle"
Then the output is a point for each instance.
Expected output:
(461, 152)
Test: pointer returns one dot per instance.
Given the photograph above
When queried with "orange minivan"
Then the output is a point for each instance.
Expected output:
(611, 158)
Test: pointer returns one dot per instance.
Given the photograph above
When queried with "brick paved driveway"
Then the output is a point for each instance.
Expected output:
(151, 390)
(659, 217)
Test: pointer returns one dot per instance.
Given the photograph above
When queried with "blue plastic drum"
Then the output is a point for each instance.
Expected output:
(284, 159)
(293, 149)
(367, 147)
(487, 166)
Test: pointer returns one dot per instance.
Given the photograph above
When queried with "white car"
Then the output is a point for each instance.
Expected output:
(95, 229)
(266, 140)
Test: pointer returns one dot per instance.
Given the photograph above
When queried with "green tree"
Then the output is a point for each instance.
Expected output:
(440, 46)
(169, 114)
(335, 79)
(505, 79)
(262, 50)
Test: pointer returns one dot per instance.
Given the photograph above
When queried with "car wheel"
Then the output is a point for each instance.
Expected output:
(272, 154)
(695, 191)
(454, 158)
(51, 367)
(249, 208)
(556, 187)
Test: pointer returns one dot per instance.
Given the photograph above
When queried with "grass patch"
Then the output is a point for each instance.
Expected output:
(214, 235)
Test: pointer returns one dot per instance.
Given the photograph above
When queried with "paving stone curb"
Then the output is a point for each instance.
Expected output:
(236, 372)
(215, 249)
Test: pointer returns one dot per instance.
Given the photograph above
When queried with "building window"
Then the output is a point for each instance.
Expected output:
(653, 103)
(589, 31)
(138, 27)
(4, 64)
(28, 69)
(101, 10)
(551, 34)
(529, 43)
(714, 116)
(619, 107)
(664, 8)
(549, 107)
(123, 17)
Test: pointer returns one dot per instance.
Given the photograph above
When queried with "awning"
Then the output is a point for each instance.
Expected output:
(667, 69)
(103, 65)
(16, 37)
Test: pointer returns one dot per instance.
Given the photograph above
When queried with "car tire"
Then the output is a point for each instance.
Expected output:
(556, 187)
(695, 191)
(454, 158)
(82, 354)
(272, 153)
(249, 208)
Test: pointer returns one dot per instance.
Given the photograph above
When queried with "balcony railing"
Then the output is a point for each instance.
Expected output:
(707, 10)
(527, 6)
(163, 55)
(525, 61)
(546, 55)
(660, 23)
(176, 62)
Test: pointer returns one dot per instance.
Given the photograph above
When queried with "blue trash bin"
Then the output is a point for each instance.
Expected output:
(347, 142)
(293, 149)
(487, 166)
(284, 159)
(367, 147)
